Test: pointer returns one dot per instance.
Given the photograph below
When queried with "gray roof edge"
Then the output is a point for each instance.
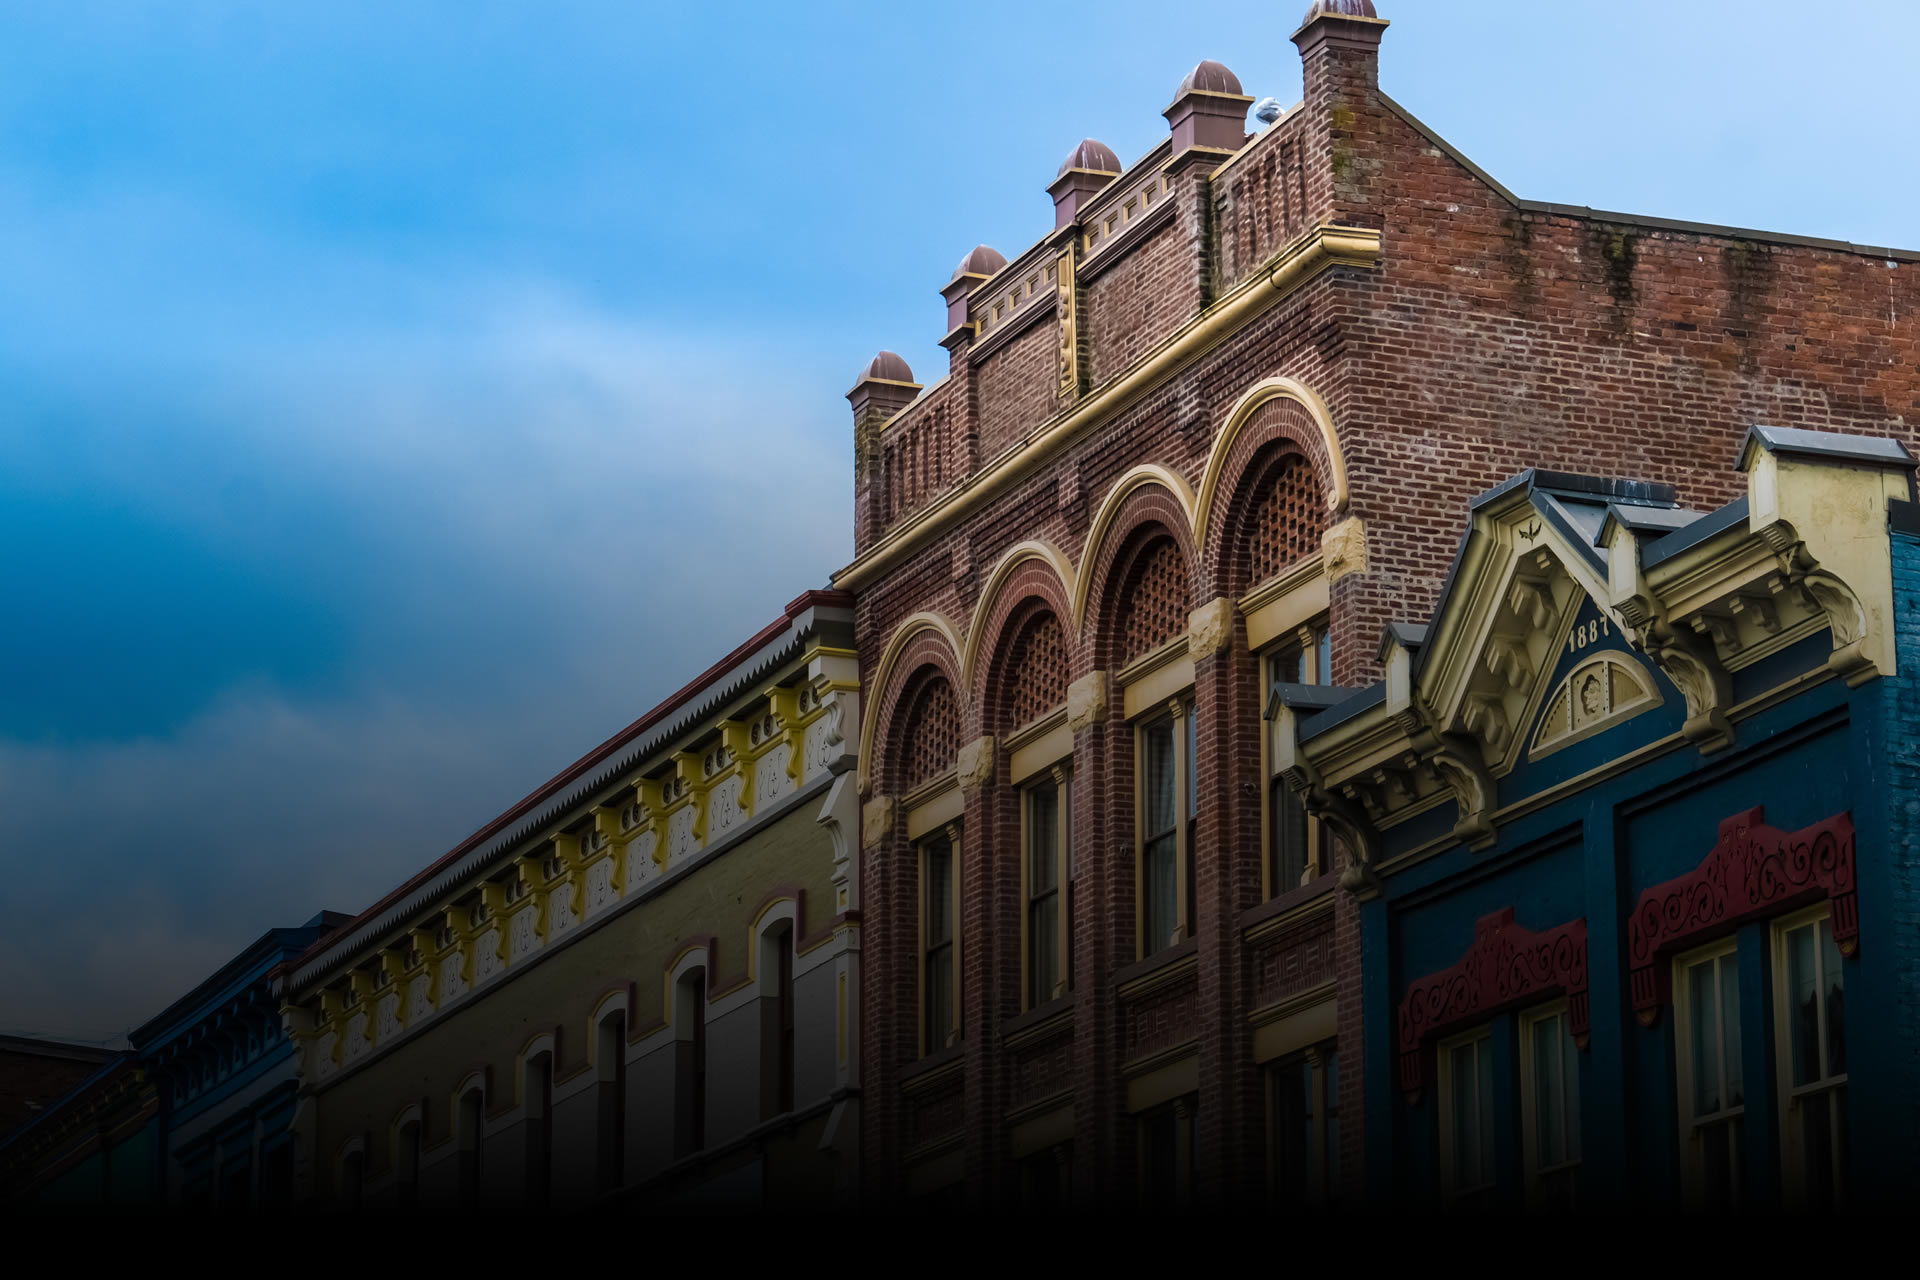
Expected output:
(1640, 220)
(1846, 446)
(781, 648)
(1728, 517)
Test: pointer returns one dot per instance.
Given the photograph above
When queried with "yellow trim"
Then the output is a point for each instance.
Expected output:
(870, 714)
(1290, 269)
(1041, 550)
(1125, 486)
(1262, 393)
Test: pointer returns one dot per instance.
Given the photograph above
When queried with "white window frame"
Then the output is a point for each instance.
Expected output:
(1482, 1038)
(1529, 1083)
(1792, 1098)
(1692, 1165)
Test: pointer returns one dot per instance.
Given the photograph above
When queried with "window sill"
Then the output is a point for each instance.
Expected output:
(1058, 1008)
(1288, 902)
(1180, 956)
(932, 1063)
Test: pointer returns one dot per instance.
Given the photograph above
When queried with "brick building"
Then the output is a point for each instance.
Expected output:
(1215, 430)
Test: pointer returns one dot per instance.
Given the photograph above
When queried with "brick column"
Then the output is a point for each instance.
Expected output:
(887, 991)
(1227, 1159)
(989, 886)
(1103, 931)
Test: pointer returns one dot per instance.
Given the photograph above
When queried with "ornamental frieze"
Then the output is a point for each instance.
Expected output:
(1506, 966)
(1753, 871)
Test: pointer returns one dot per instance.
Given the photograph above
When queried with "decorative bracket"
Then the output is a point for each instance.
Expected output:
(1460, 766)
(1689, 660)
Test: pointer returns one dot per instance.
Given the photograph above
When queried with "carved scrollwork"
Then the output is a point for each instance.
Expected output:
(1690, 662)
(1353, 828)
(1459, 765)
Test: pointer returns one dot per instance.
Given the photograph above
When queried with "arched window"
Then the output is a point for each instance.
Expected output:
(610, 1060)
(406, 1166)
(776, 1021)
(690, 1049)
(472, 1140)
(538, 1120)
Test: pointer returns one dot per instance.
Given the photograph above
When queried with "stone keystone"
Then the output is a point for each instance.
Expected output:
(1209, 628)
(1087, 701)
(974, 764)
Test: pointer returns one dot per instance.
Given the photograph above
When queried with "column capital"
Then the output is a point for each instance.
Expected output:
(975, 764)
(1087, 701)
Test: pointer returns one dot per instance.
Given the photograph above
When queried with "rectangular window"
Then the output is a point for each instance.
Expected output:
(1045, 936)
(1293, 840)
(784, 1067)
(1808, 980)
(1712, 1092)
(1466, 1118)
(1303, 1138)
(1169, 810)
(1166, 1154)
(690, 1034)
(936, 945)
(1550, 1107)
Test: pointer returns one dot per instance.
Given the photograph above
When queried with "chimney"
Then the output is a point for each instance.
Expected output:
(1209, 113)
(1339, 43)
(1083, 174)
(886, 388)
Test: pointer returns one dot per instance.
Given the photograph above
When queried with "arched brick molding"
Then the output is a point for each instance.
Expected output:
(1272, 517)
(924, 737)
(1016, 630)
(1147, 493)
(923, 639)
(1149, 516)
(1030, 568)
(1276, 409)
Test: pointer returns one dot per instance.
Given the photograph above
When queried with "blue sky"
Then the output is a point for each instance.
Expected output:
(397, 399)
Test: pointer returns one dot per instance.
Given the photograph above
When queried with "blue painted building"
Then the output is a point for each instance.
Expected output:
(222, 1070)
(1633, 820)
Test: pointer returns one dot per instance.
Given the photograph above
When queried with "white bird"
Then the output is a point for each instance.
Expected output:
(1267, 110)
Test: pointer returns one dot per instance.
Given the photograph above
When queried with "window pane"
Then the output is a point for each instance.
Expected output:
(1286, 667)
(1157, 796)
(1730, 1030)
(1549, 1135)
(1043, 949)
(1830, 974)
(1332, 1061)
(1703, 1012)
(1803, 1018)
(1043, 829)
(939, 892)
(1570, 1072)
(1325, 668)
(1289, 837)
(939, 997)
(1162, 906)
(1465, 1125)
(1484, 1110)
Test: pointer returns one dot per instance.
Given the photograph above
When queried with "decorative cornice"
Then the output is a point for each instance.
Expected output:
(1319, 250)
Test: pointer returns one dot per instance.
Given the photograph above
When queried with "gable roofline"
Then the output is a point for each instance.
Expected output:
(1679, 225)
(778, 642)
(264, 954)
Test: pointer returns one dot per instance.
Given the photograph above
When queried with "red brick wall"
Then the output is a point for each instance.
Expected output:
(1018, 386)
(1131, 307)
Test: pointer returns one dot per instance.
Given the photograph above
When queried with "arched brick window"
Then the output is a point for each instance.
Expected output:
(932, 733)
(1036, 670)
(1154, 606)
(1286, 519)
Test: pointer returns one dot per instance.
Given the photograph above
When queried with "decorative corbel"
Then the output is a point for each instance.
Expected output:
(333, 1016)
(533, 869)
(653, 803)
(1848, 618)
(566, 851)
(362, 985)
(393, 965)
(429, 948)
(1458, 763)
(734, 736)
(460, 925)
(786, 715)
(690, 770)
(1508, 658)
(1689, 660)
(1346, 821)
(1485, 717)
(614, 839)
(494, 895)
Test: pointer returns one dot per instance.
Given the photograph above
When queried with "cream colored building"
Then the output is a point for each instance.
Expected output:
(640, 983)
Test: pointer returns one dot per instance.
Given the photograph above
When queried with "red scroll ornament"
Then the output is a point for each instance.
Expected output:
(1753, 872)
(1505, 967)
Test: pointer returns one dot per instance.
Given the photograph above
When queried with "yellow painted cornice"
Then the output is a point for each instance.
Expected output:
(1320, 250)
